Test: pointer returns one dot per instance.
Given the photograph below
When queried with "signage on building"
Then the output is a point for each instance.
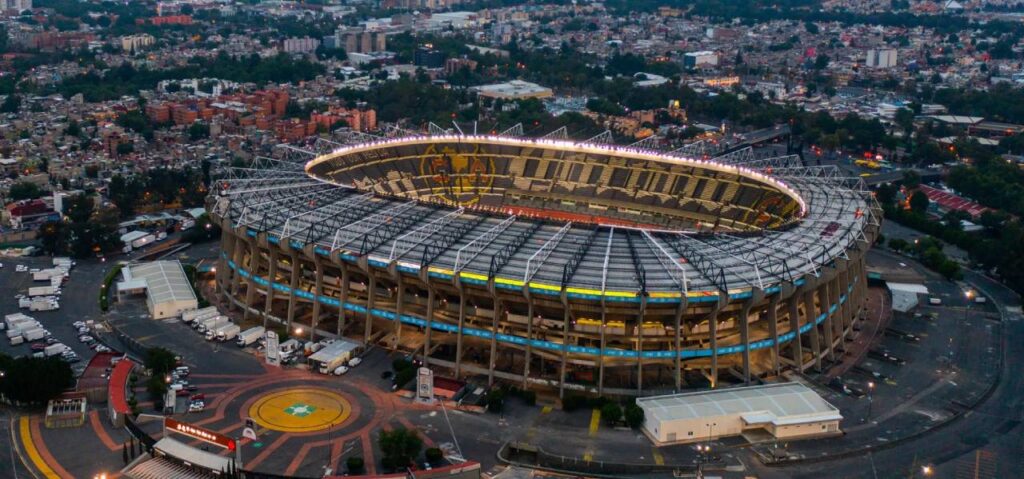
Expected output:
(425, 385)
(273, 349)
(196, 432)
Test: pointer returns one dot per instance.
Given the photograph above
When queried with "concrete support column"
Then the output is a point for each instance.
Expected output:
(224, 272)
(794, 325)
(236, 278)
(600, 357)
(430, 326)
(678, 321)
(399, 309)
(823, 305)
(744, 319)
(640, 345)
(253, 265)
(458, 340)
(812, 316)
(492, 362)
(268, 304)
(371, 302)
(566, 317)
(343, 300)
(293, 284)
(713, 335)
(773, 330)
(529, 339)
(318, 284)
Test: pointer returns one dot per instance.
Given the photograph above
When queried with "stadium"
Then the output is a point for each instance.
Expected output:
(549, 263)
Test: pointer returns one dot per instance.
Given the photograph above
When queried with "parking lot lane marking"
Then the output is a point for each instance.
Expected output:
(658, 458)
(97, 427)
(595, 421)
(26, 430)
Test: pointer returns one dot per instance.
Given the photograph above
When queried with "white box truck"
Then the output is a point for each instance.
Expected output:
(55, 349)
(191, 315)
(143, 241)
(212, 333)
(250, 336)
(34, 334)
(198, 320)
(43, 305)
(42, 291)
(228, 332)
(17, 340)
(213, 323)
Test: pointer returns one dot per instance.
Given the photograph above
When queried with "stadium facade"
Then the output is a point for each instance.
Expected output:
(550, 263)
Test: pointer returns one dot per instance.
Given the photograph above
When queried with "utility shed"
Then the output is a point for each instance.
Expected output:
(786, 411)
(168, 292)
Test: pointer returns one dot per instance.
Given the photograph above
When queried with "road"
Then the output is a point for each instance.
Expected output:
(984, 443)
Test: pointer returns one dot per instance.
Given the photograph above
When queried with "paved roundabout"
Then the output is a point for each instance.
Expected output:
(299, 410)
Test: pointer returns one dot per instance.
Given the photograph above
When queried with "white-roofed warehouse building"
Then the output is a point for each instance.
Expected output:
(168, 292)
(786, 411)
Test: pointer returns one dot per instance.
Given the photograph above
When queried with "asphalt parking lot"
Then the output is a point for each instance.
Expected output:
(79, 302)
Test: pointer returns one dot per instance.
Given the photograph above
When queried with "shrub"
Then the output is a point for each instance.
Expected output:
(495, 400)
(434, 455)
(634, 416)
(611, 412)
(354, 464)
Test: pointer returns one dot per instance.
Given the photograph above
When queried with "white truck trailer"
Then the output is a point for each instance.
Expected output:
(189, 316)
(34, 334)
(250, 336)
(212, 333)
(228, 332)
(43, 305)
(213, 323)
(42, 291)
(55, 349)
(335, 354)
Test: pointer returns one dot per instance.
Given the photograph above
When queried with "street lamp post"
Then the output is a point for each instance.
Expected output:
(969, 295)
(871, 389)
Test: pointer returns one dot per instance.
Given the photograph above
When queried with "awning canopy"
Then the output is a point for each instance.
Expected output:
(191, 455)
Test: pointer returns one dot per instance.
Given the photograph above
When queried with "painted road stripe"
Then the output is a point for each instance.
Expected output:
(595, 421)
(658, 458)
(33, 453)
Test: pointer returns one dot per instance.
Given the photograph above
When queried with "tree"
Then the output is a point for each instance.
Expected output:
(898, 244)
(434, 455)
(159, 360)
(73, 129)
(34, 381)
(399, 447)
(11, 104)
(919, 202)
(354, 464)
(199, 131)
(24, 190)
(634, 415)
(611, 412)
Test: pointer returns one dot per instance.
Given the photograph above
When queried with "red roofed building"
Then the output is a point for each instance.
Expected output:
(947, 201)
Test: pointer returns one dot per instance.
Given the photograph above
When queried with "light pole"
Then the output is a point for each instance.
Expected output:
(871, 389)
(969, 295)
